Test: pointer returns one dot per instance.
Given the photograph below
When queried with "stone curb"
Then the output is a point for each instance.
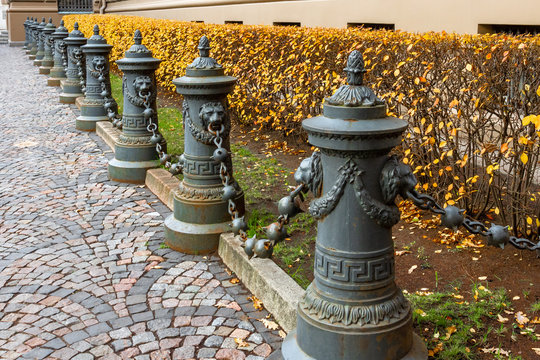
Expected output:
(268, 282)
(106, 131)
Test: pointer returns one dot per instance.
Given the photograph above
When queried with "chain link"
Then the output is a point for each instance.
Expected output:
(80, 60)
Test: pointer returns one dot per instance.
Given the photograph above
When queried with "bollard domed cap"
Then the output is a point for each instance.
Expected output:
(354, 118)
(204, 76)
(76, 37)
(96, 43)
(61, 32)
(42, 24)
(49, 28)
(138, 57)
(204, 61)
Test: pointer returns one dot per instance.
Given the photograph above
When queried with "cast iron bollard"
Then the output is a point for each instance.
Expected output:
(47, 62)
(201, 209)
(353, 309)
(40, 44)
(96, 53)
(32, 32)
(26, 37)
(58, 71)
(71, 86)
(134, 151)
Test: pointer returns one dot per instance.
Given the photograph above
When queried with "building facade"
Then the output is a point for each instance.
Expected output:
(461, 16)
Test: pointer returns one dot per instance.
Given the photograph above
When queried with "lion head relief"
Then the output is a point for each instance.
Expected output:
(142, 85)
(99, 62)
(213, 115)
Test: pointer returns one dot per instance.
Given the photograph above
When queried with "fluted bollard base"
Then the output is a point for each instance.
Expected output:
(290, 347)
(71, 90)
(92, 111)
(131, 162)
(197, 222)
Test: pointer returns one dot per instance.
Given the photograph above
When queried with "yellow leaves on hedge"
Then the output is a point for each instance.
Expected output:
(524, 158)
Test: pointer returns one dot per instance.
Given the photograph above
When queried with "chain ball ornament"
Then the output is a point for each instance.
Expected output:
(147, 113)
(276, 232)
(82, 83)
(289, 206)
(220, 154)
(155, 139)
(238, 224)
(498, 235)
(452, 217)
(105, 93)
(175, 169)
(107, 105)
(101, 78)
(119, 124)
(263, 249)
(229, 192)
(164, 158)
(248, 246)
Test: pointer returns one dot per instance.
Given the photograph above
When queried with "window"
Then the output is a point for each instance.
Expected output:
(373, 26)
(75, 6)
(285, 23)
(508, 29)
(234, 22)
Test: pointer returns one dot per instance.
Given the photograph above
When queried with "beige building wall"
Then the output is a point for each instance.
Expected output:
(19, 10)
(461, 16)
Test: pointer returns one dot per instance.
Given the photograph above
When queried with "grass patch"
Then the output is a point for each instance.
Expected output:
(456, 326)
(117, 93)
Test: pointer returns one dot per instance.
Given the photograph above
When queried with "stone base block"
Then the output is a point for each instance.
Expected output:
(108, 133)
(162, 183)
(78, 102)
(132, 172)
(31, 57)
(53, 81)
(267, 281)
(44, 70)
(37, 62)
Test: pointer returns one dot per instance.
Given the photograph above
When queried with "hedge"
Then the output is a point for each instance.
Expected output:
(472, 101)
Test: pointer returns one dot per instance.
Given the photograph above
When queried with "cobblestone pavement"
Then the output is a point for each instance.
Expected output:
(83, 274)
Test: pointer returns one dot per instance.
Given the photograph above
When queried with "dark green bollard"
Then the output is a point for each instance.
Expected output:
(40, 44)
(200, 212)
(71, 86)
(32, 32)
(96, 53)
(26, 36)
(58, 71)
(353, 309)
(47, 62)
(134, 151)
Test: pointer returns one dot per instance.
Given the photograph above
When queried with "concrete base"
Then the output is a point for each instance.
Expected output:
(78, 102)
(88, 123)
(290, 346)
(279, 293)
(54, 81)
(109, 134)
(31, 57)
(44, 70)
(37, 62)
(162, 184)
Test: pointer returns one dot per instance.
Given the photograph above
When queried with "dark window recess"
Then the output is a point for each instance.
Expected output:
(75, 6)
(508, 29)
(234, 22)
(198, 21)
(374, 26)
(285, 23)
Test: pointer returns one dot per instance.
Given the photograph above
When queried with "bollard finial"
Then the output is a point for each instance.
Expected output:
(204, 46)
(96, 29)
(354, 93)
(61, 22)
(137, 37)
(76, 26)
(50, 20)
(204, 61)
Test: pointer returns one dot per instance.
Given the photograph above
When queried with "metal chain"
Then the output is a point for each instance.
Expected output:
(110, 104)
(164, 158)
(452, 217)
(82, 82)
(63, 51)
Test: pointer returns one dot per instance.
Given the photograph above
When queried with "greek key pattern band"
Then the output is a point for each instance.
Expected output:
(353, 270)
